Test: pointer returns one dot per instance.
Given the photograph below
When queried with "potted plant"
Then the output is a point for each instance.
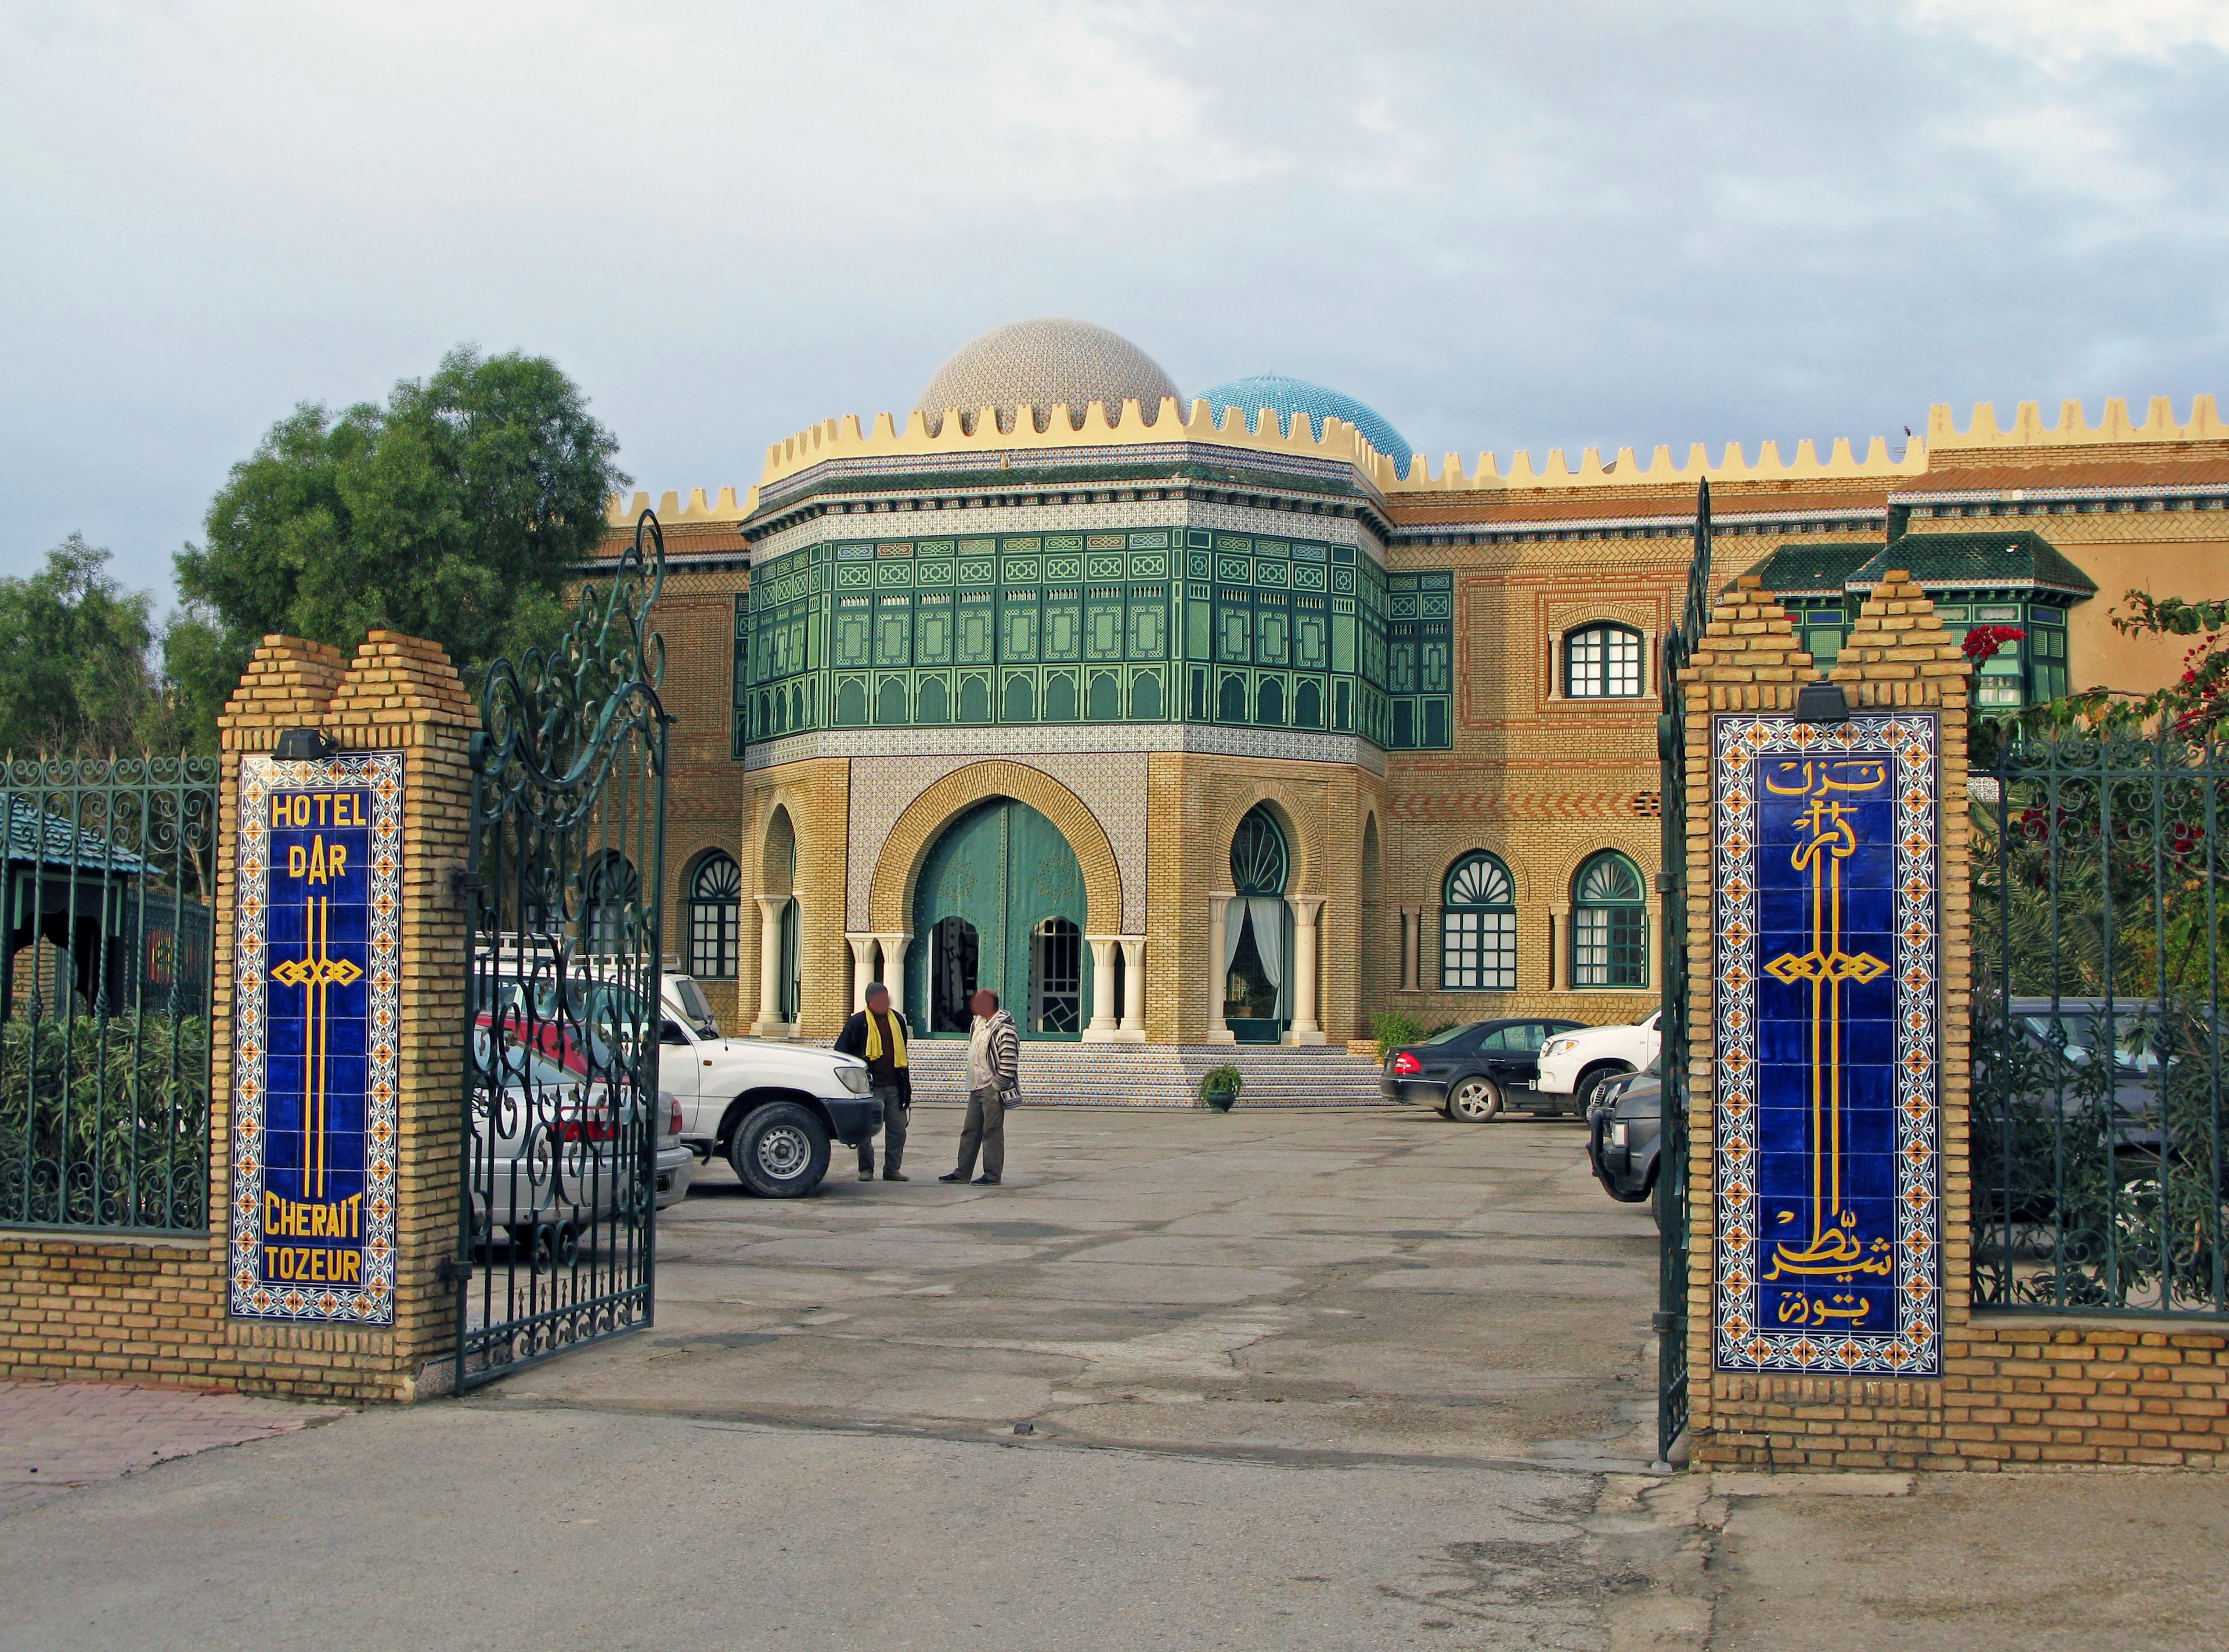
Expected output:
(1219, 1087)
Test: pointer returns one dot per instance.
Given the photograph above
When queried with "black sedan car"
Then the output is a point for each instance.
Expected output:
(1625, 1132)
(1472, 1072)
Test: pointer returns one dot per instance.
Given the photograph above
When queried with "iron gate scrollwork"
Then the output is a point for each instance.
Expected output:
(1671, 1320)
(564, 881)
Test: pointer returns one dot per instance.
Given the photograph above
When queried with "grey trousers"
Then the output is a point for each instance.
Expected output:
(895, 1121)
(986, 1128)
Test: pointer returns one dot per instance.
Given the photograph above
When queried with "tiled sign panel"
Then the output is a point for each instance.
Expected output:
(317, 967)
(1826, 850)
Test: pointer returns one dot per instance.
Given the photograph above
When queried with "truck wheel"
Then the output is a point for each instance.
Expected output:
(1474, 1100)
(1582, 1093)
(780, 1152)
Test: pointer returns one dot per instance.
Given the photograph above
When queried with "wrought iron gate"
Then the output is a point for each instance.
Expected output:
(1671, 1320)
(564, 881)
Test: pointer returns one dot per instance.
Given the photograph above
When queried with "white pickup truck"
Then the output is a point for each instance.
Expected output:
(1573, 1063)
(771, 1108)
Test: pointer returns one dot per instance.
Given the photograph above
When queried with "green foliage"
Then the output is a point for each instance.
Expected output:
(74, 677)
(457, 512)
(1219, 1086)
(104, 1122)
(1394, 1028)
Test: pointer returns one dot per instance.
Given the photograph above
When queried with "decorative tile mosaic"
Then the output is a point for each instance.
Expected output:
(1826, 849)
(1112, 785)
(316, 1024)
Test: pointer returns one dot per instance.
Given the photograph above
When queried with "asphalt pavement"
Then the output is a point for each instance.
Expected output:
(1274, 1380)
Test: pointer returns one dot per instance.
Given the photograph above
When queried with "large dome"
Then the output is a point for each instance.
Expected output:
(1042, 363)
(1285, 396)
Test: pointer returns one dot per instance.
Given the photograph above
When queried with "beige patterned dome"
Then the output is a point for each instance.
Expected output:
(1040, 364)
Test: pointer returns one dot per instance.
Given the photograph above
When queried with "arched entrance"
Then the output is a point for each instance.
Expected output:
(999, 903)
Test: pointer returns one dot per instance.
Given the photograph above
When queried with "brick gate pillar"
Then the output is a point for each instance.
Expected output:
(400, 696)
(1827, 1388)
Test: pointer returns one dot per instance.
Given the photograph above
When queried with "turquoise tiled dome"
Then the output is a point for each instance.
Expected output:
(1288, 396)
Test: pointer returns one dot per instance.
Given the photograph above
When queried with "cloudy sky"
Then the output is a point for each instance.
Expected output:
(1504, 225)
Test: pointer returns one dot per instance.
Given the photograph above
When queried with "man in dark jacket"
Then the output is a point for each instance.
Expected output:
(878, 1036)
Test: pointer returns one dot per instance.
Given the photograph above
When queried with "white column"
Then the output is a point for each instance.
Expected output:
(1306, 910)
(863, 968)
(1218, 979)
(1412, 924)
(894, 952)
(1133, 987)
(1102, 1027)
(770, 1024)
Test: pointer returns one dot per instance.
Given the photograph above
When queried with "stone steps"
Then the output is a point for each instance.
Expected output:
(1157, 1075)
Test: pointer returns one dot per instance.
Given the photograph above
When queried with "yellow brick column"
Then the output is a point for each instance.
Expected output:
(401, 693)
(1897, 655)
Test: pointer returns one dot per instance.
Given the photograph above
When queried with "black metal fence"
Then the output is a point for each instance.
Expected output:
(105, 972)
(2097, 1152)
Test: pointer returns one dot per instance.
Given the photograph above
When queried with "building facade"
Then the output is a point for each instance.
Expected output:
(1228, 719)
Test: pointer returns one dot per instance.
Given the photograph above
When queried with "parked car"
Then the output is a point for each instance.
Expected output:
(676, 1162)
(1572, 1063)
(2051, 1066)
(1625, 1133)
(1472, 1072)
(771, 1109)
(545, 1169)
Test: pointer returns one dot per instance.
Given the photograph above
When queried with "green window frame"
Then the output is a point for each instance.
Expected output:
(1609, 923)
(1478, 926)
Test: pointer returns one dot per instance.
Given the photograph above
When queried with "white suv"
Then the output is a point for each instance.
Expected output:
(1572, 1063)
(773, 1109)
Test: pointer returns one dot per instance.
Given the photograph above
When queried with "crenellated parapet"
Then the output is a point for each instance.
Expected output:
(2074, 428)
(1130, 424)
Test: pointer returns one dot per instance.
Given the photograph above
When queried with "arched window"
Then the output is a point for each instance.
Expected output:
(613, 892)
(716, 892)
(1478, 927)
(1609, 924)
(1258, 861)
(1602, 663)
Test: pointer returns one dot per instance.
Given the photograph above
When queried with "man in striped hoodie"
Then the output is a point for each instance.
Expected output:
(994, 1056)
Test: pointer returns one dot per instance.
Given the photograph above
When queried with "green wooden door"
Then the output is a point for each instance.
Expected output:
(999, 903)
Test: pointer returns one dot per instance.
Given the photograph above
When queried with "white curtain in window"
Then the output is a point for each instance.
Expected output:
(1268, 914)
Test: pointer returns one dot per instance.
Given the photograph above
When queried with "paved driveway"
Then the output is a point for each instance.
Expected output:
(1376, 1283)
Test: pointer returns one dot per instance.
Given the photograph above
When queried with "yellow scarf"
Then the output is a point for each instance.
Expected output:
(875, 1038)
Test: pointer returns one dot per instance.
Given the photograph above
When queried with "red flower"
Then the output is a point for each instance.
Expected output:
(1983, 641)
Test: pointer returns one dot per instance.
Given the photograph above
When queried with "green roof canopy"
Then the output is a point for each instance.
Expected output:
(2020, 556)
(2004, 559)
(34, 837)
(1809, 570)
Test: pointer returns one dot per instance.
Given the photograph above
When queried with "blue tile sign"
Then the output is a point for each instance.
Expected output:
(316, 974)
(1826, 848)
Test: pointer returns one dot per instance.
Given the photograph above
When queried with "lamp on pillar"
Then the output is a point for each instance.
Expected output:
(1821, 702)
(306, 746)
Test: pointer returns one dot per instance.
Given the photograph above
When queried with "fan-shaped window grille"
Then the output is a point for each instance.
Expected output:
(1609, 924)
(1478, 927)
(1602, 663)
(716, 895)
(613, 890)
(1258, 861)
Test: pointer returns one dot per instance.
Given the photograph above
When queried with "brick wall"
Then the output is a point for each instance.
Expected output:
(2017, 1390)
